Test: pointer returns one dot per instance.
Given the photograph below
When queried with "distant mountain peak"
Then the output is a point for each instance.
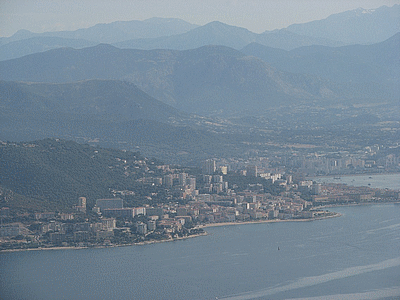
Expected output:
(218, 24)
(361, 11)
(104, 47)
(22, 34)
(22, 31)
(358, 26)
(158, 20)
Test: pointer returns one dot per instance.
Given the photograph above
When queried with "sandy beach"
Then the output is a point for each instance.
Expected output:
(267, 221)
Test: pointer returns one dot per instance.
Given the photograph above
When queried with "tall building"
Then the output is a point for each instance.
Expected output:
(224, 170)
(108, 223)
(119, 212)
(209, 166)
(154, 211)
(82, 201)
(141, 227)
(218, 179)
(109, 203)
(151, 225)
(168, 180)
(207, 179)
(191, 182)
(316, 189)
(182, 179)
(81, 204)
(251, 170)
(140, 211)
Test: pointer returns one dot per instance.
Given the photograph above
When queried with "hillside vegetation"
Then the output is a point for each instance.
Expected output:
(51, 174)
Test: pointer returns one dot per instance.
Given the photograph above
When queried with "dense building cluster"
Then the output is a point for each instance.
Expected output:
(192, 201)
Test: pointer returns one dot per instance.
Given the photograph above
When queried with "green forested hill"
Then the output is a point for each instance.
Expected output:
(103, 99)
(51, 174)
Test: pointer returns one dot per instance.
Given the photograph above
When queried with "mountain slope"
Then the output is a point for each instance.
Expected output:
(214, 33)
(39, 44)
(105, 99)
(51, 174)
(359, 26)
(25, 42)
(287, 40)
(379, 63)
(114, 32)
(204, 80)
(217, 33)
(108, 113)
(350, 27)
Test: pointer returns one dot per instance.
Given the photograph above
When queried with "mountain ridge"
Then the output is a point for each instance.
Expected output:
(202, 80)
(354, 26)
(108, 99)
(349, 27)
(356, 63)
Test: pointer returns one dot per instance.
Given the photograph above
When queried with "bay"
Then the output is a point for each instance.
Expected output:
(380, 181)
(355, 256)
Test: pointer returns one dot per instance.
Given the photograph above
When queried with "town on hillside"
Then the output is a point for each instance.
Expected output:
(218, 195)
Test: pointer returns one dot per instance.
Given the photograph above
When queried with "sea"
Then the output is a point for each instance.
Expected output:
(354, 256)
(381, 181)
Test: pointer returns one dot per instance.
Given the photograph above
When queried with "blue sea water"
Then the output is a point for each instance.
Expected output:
(380, 181)
(355, 256)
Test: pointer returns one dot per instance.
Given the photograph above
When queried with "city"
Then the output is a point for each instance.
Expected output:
(216, 195)
(205, 149)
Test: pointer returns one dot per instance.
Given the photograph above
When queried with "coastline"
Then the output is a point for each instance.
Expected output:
(352, 175)
(357, 204)
(174, 239)
(105, 246)
(335, 214)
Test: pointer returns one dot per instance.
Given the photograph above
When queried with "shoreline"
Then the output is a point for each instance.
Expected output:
(357, 204)
(105, 246)
(352, 175)
(335, 215)
(204, 226)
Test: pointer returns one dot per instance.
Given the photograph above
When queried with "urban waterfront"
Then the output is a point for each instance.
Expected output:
(354, 256)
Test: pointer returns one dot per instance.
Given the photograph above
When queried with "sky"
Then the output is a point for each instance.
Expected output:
(255, 15)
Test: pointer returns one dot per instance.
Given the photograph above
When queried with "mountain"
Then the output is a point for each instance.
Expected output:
(287, 40)
(377, 63)
(205, 80)
(21, 34)
(107, 113)
(39, 44)
(51, 174)
(105, 99)
(214, 33)
(114, 32)
(143, 35)
(123, 30)
(217, 33)
(359, 26)
(25, 42)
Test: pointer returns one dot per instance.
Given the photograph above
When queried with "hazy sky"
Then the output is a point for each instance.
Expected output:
(255, 15)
